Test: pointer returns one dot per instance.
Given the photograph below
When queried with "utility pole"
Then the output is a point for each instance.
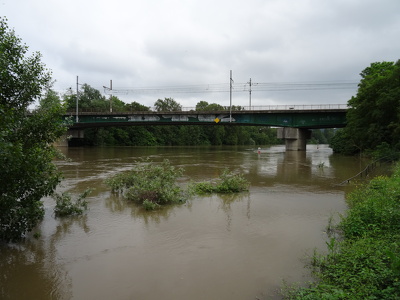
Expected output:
(249, 94)
(250, 83)
(111, 95)
(230, 97)
(77, 98)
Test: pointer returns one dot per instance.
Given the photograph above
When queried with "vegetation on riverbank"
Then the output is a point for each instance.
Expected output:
(363, 259)
(27, 172)
(373, 116)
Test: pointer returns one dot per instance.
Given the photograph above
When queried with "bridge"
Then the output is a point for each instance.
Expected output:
(295, 121)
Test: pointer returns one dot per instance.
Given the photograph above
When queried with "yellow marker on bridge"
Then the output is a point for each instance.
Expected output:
(216, 120)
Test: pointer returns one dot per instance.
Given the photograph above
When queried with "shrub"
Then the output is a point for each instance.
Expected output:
(232, 183)
(66, 207)
(228, 182)
(150, 185)
(366, 263)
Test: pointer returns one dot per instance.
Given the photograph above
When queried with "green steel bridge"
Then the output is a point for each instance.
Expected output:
(295, 116)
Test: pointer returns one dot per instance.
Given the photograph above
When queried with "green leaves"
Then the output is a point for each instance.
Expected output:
(168, 104)
(65, 206)
(150, 185)
(228, 182)
(27, 173)
(373, 116)
(365, 264)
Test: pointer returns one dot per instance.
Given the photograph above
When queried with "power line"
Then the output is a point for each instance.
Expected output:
(238, 87)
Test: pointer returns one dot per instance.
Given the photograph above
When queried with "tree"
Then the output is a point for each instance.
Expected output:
(135, 106)
(205, 106)
(89, 99)
(27, 173)
(168, 104)
(374, 114)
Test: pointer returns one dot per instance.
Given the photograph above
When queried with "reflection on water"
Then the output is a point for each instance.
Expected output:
(30, 271)
(212, 247)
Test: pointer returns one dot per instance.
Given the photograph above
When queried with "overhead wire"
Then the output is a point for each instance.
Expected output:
(239, 87)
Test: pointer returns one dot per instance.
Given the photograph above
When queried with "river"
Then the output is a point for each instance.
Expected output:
(212, 247)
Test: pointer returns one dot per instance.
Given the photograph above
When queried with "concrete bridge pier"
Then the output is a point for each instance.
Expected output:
(75, 137)
(295, 138)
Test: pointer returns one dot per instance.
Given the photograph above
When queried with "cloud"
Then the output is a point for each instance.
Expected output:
(169, 43)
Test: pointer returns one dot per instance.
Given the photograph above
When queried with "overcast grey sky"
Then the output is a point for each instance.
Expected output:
(295, 51)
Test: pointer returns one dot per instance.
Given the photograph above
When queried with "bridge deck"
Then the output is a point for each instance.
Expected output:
(305, 117)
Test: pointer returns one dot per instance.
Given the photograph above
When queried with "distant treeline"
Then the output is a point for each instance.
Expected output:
(180, 135)
(191, 135)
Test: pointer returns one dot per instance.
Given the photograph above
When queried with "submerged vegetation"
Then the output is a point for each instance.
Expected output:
(364, 262)
(149, 184)
(65, 206)
(228, 182)
(153, 185)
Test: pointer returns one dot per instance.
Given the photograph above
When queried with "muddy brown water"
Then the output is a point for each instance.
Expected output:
(213, 247)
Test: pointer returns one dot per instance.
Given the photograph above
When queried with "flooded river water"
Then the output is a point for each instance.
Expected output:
(213, 247)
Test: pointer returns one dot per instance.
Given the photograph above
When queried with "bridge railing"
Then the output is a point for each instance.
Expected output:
(281, 107)
(242, 108)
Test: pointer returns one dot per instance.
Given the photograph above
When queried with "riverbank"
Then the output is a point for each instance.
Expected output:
(363, 259)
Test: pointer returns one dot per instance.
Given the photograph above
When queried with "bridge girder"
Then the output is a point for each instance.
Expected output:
(307, 119)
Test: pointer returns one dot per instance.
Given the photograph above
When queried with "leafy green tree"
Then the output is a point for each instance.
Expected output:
(135, 106)
(201, 106)
(374, 114)
(117, 104)
(90, 99)
(342, 143)
(205, 106)
(27, 172)
(168, 104)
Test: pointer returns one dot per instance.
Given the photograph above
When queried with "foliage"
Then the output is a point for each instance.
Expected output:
(365, 264)
(168, 104)
(65, 206)
(341, 143)
(205, 106)
(228, 182)
(385, 152)
(179, 135)
(27, 172)
(322, 136)
(373, 117)
(135, 106)
(149, 184)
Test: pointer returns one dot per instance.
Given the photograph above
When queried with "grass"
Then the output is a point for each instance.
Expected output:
(364, 263)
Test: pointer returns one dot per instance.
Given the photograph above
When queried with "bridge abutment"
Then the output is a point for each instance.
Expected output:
(295, 138)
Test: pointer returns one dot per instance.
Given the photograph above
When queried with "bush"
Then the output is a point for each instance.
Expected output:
(149, 184)
(66, 207)
(228, 182)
